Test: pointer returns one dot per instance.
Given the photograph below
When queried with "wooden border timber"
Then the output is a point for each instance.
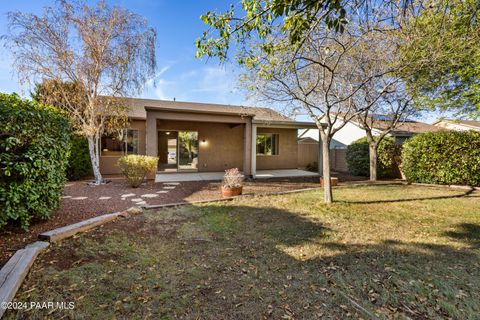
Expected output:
(16, 269)
(82, 226)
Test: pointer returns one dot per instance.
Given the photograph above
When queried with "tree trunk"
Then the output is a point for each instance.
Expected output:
(327, 183)
(372, 151)
(93, 148)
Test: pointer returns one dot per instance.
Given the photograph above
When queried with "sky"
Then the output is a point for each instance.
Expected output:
(179, 75)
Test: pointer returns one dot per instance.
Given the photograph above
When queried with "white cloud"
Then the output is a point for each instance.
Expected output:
(204, 84)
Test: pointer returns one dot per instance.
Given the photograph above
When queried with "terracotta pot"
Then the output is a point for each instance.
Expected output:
(333, 180)
(231, 192)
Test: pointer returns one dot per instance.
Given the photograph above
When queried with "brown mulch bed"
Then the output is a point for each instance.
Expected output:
(72, 211)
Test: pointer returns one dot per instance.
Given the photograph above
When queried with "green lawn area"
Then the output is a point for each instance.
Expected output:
(379, 251)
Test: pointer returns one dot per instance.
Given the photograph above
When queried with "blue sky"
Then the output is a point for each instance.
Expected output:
(180, 74)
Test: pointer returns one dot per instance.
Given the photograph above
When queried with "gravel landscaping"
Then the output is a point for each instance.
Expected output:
(81, 201)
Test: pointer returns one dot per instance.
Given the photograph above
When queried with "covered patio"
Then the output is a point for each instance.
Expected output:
(217, 176)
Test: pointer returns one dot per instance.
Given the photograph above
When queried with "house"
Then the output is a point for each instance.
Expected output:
(353, 131)
(460, 125)
(308, 139)
(202, 137)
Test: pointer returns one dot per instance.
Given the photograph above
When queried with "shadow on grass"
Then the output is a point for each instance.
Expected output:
(466, 232)
(465, 194)
(261, 262)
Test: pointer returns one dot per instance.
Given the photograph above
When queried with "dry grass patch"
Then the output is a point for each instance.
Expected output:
(381, 251)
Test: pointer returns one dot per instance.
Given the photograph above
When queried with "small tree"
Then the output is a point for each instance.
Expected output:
(391, 110)
(86, 58)
(300, 53)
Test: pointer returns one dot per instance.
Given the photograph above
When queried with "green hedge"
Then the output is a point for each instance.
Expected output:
(79, 164)
(34, 150)
(358, 159)
(445, 157)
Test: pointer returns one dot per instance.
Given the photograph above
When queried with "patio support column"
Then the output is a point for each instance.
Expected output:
(247, 158)
(254, 151)
(151, 136)
(320, 154)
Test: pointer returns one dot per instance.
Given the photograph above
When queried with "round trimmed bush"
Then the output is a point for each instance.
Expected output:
(135, 168)
(34, 150)
(358, 159)
(445, 157)
(79, 164)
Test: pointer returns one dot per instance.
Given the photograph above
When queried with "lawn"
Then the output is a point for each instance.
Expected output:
(379, 251)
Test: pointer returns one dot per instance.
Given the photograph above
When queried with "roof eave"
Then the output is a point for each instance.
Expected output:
(285, 124)
(147, 108)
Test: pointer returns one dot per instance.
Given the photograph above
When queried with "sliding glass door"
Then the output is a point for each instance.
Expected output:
(187, 150)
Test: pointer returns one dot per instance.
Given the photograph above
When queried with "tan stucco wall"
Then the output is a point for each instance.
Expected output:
(223, 146)
(287, 157)
(108, 163)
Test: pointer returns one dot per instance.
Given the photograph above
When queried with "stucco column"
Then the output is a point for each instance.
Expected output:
(254, 150)
(151, 136)
(247, 153)
(320, 154)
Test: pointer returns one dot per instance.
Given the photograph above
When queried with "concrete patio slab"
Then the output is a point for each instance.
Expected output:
(284, 173)
(217, 176)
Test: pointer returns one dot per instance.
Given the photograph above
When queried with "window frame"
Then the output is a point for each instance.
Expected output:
(277, 144)
(125, 143)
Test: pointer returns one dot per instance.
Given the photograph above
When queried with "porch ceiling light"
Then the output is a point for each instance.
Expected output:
(167, 133)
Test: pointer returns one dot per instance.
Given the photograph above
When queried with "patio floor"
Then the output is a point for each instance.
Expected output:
(212, 176)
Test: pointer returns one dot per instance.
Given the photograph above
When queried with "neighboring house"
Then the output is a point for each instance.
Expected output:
(205, 137)
(460, 125)
(353, 131)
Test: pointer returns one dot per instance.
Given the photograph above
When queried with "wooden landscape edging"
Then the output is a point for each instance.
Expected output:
(72, 229)
(16, 269)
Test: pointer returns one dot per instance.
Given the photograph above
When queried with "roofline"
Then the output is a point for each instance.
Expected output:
(149, 108)
(286, 124)
(455, 122)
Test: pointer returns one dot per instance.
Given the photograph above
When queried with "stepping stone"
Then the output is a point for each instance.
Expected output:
(170, 188)
(141, 203)
(127, 195)
(79, 198)
(66, 197)
(149, 195)
(172, 183)
(136, 199)
(162, 191)
(104, 198)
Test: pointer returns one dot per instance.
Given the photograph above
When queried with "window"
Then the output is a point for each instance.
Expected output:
(118, 145)
(267, 144)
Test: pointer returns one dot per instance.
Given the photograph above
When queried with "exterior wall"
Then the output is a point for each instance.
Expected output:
(108, 163)
(308, 154)
(223, 146)
(453, 126)
(349, 133)
(313, 133)
(287, 157)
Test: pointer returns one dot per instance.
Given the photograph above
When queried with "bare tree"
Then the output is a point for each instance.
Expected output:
(379, 114)
(383, 117)
(87, 58)
(321, 78)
